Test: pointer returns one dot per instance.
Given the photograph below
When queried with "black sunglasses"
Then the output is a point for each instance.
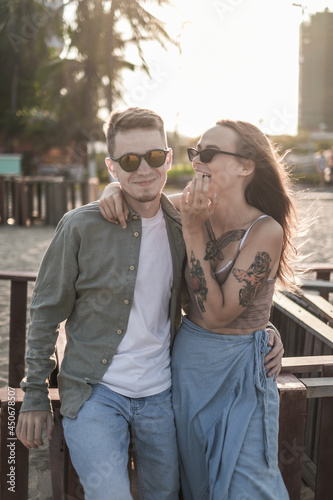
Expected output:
(206, 155)
(131, 161)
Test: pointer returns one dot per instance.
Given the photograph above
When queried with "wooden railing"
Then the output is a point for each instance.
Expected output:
(64, 480)
(321, 281)
(14, 460)
(306, 433)
(299, 420)
(28, 200)
(306, 412)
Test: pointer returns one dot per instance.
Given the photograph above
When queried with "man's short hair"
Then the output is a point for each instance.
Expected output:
(131, 118)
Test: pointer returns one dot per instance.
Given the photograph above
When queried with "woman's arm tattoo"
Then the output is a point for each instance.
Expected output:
(254, 278)
(198, 282)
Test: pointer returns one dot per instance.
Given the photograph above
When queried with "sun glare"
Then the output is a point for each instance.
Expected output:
(237, 59)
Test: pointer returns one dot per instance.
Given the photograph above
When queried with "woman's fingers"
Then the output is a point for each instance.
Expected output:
(108, 210)
(121, 210)
(191, 193)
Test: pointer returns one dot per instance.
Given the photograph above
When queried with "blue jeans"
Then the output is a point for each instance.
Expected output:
(98, 441)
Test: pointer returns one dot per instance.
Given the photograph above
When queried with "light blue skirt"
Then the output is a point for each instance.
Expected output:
(227, 413)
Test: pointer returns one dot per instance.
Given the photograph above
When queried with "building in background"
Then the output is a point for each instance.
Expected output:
(315, 112)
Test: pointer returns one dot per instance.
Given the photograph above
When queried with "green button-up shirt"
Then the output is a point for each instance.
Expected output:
(88, 277)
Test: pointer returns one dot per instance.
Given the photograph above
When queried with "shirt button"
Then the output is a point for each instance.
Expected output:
(135, 217)
(132, 268)
(104, 361)
(119, 332)
(126, 301)
(86, 378)
(136, 234)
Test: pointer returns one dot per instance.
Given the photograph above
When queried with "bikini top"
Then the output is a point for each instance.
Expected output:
(258, 312)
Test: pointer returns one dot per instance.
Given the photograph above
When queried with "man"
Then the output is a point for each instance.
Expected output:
(120, 292)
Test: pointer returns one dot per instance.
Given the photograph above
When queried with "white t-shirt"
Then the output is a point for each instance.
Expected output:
(141, 364)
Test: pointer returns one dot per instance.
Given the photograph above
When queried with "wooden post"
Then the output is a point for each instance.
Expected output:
(72, 486)
(18, 315)
(92, 189)
(57, 453)
(291, 434)
(3, 218)
(31, 196)
(325, 447)
(16, 201)
(24, 210)
(39, 199)
(323, 275)
(56, 201)
(84, 192)
(14, 475)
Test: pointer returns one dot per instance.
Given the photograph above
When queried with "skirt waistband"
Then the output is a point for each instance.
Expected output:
(192, 329)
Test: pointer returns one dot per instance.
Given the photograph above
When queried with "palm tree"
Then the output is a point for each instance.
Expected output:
(104, 29)
(99, 36)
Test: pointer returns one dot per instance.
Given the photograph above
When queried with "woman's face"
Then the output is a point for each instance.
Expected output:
(222, 169)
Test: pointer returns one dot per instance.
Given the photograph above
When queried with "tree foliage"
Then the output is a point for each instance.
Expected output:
(55, 99)
(26, 29)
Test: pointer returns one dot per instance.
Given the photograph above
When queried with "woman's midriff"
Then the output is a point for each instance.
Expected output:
(225, 331)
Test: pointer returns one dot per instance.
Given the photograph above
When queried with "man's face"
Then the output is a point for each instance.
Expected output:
(145, 184)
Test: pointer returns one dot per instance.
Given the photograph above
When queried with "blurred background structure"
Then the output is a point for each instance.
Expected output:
(316, 75)
(65, 64)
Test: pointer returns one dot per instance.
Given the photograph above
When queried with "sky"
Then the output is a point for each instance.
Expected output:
(238, 59)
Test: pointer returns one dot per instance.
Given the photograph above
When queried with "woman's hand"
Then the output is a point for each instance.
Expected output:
(112, 204)
(195, 205)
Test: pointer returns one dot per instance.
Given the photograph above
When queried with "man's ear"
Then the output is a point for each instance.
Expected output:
(110, 166)
(169, 159)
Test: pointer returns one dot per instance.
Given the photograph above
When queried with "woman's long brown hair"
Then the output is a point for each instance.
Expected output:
(269, 189)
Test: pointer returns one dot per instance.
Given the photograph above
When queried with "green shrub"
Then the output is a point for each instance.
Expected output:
(180, 170)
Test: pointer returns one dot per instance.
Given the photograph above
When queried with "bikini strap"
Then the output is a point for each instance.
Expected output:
(248, 230)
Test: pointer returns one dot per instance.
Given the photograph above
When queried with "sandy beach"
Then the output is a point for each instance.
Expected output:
(22, 249)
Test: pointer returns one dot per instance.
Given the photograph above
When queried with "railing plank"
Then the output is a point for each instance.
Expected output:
(325, 446)
(315, 304)
(291, 433)
(322, 305)
(302, 317)
(17, 275)
(302, 364)
(324, 287)
(318, 387)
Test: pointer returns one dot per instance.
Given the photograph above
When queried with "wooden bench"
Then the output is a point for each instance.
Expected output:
(307, 334)
(294, 395)
(306, 402)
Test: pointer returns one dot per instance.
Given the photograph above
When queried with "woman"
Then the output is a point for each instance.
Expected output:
(237, 218)
(238, 244)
